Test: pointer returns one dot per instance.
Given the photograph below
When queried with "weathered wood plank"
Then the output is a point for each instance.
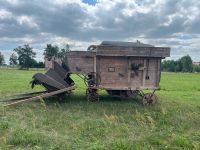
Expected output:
(41, 96)
(133, 51)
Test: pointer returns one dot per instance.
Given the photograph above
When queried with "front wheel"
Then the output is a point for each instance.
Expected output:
(92, 95)
(149, 99)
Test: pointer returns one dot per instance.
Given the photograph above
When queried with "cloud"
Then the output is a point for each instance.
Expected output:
(173, 23)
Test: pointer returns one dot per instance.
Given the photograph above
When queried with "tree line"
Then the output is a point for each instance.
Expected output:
(184, 64)
(24, 56)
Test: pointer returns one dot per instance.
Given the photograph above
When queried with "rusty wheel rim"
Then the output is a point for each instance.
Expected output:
(149, 99)
(92, 95)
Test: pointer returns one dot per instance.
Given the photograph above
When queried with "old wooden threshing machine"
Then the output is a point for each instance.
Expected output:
(123, 69)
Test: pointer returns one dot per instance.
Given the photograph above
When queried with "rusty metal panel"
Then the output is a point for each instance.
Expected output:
(56, 76)
(48, 82)
(60, 70)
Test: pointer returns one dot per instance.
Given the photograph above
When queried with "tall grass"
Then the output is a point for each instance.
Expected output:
(111, 123)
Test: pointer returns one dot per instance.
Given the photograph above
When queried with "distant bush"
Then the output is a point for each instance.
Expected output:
(35, 64)
(1, 59)
(196, 68)
(184, 64)
(25, 56)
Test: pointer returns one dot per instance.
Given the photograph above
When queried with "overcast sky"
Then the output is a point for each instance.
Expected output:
(172, 23)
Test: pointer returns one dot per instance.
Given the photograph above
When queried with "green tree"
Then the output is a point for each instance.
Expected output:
(186, 63)
(35, 64)
(25, 56)
(51, 51)
(40, 64)
(13, 59)
(61, 53)
(196, 68)
(178, 66)
(1, 59)
(168, 65)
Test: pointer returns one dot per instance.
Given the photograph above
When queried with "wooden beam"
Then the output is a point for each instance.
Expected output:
(144, 72)
(129, 72)
(42, 96)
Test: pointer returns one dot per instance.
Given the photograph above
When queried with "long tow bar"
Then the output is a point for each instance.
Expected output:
(41, 96)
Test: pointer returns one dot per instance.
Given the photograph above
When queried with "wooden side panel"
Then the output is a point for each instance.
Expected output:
(158, 72)
(113, 72)
(117, 73)
(152, 72)
(49, 63)
(137, 75)
(80, 63)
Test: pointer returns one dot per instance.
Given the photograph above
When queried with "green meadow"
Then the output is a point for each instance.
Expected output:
(111, 123)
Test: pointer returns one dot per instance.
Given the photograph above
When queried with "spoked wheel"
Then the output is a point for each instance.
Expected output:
(134, 93)
(149, 99)
(92, 95)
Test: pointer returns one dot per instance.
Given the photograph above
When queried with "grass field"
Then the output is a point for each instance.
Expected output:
(173, 123)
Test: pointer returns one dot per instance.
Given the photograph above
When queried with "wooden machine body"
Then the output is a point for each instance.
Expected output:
(120, 68)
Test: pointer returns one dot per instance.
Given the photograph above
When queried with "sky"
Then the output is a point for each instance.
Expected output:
(80, 23)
